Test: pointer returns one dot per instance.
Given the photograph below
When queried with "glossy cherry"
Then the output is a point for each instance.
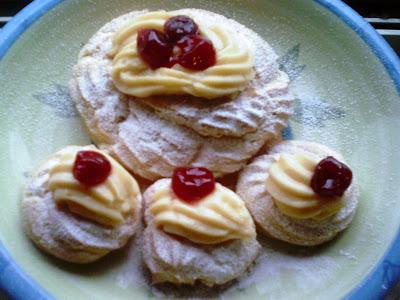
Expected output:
(180, 26)
(331, 178)
(91, 168)
(192, 184)
(198, 53)
(154, 48)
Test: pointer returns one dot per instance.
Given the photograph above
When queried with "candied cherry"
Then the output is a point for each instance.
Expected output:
(198, 53)
(192, 184)
(180, 26)
(331, 178)
(91, 168)
(154, 48)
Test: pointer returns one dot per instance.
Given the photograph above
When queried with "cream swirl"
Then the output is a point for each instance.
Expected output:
(108, 203)
(232, 71)
(289, 185)
(219, 217)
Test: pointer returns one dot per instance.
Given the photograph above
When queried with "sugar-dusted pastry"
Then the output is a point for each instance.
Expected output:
(300, 192)
(161, 89)
(81, 204)
(196, 230)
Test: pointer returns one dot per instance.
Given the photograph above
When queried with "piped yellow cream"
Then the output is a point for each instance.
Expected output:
(108, 203)
(132, 76)
(289, 184)
(219, 217)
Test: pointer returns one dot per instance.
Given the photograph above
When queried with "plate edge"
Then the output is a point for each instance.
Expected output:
(373, 286)
(18, 285)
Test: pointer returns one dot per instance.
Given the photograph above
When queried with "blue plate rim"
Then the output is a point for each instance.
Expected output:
(18, 285)
(386, 272)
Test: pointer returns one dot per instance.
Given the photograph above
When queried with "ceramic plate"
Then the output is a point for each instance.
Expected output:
(346, 80)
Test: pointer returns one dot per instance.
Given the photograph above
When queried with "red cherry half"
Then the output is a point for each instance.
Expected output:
(154, 48)
(331, 178)
(198, 53)
(180, 26)
(192, 184)
(91, 168)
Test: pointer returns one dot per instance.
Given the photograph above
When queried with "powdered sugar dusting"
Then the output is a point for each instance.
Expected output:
(277, 264)
(113, 127)
(307, 269)
(344, 74)
(133, 271)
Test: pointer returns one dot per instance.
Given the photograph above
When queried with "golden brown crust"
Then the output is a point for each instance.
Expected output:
(63, 234)
(152, 137)
(252, 188)
(177, 260)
